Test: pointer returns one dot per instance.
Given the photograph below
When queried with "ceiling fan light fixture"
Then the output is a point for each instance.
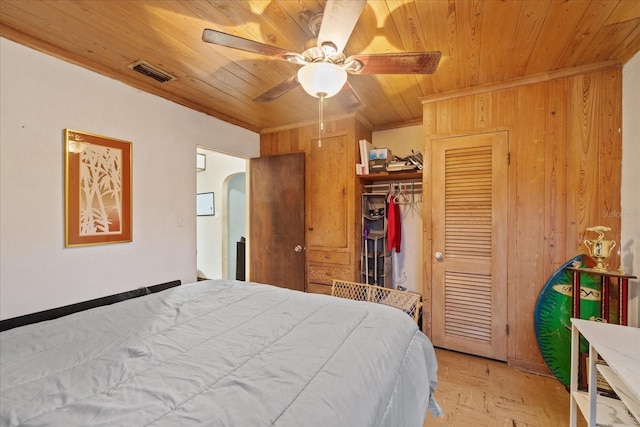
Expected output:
(322, 78)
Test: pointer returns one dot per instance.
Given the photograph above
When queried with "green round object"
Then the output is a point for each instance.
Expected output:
(553, 313)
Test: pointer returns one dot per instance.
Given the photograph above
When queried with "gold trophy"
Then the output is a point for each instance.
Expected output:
(599, 248)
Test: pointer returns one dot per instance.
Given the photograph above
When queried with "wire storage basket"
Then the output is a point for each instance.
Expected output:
(409, 302)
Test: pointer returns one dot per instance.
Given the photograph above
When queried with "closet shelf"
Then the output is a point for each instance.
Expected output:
(391, 176)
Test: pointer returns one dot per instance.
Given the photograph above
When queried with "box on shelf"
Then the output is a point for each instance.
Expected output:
(377, 165)
(378, 159)
(379, 153)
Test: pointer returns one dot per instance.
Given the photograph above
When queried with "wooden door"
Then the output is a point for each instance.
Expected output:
(328, 215)
(276, 220)
(469, 209)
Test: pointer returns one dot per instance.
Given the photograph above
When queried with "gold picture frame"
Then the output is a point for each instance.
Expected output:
(98, 186)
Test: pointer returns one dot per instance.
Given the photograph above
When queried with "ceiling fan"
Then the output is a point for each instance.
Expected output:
(325, 66)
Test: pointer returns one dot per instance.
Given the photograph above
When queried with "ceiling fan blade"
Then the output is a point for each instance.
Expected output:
(235, 42)
(278, 90)
(397, 63)
(338, 20)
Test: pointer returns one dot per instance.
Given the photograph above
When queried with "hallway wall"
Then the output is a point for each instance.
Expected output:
(212, 252)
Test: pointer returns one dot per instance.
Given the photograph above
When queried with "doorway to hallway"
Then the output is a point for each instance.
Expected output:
(220, 177)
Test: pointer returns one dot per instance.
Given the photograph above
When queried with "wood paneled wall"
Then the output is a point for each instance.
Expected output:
(564, 176)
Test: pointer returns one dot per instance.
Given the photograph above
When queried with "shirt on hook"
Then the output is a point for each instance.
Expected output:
(394, 228)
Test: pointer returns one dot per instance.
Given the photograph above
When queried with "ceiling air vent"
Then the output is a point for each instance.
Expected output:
(151, 71)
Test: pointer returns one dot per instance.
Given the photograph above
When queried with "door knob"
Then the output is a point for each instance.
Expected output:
(298, 248)
(439, 256)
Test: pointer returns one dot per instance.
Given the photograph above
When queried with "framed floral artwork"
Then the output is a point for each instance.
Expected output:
(97, 189)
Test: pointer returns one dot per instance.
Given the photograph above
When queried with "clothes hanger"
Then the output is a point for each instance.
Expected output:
(401, 197)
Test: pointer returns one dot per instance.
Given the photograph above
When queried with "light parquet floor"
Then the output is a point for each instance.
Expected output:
(478, 392)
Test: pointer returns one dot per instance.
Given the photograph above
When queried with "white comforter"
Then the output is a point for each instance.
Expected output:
(220, 353)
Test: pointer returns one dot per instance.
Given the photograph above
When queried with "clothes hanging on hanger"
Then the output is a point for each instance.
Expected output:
(394, 228)
(401, 196)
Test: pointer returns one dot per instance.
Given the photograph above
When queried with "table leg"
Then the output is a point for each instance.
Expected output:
(575, 366)
(593, 385)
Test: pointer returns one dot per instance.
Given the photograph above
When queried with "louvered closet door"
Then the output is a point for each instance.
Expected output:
(469, 230)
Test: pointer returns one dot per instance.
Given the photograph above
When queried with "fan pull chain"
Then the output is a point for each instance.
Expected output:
(321, 96)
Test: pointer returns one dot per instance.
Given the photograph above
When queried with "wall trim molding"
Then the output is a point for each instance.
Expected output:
(523, 81)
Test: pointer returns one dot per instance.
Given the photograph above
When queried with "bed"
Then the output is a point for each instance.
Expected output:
(220, 353)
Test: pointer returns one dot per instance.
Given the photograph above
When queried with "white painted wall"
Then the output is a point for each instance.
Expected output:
(40, 97)
(630, 215)
(236, 219)
(401, 140)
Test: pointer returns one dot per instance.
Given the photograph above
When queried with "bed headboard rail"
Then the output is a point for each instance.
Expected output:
(54, 313)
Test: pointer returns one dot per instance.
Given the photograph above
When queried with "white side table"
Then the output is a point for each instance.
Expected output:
(619, 347)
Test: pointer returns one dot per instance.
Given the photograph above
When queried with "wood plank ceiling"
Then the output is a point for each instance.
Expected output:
(482, 42)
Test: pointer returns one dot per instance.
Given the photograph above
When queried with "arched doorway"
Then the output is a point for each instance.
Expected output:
(235, 228)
